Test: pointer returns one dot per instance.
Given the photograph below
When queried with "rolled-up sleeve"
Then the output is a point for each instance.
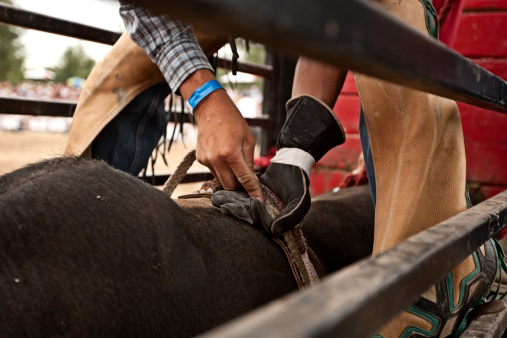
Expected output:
(171, 44)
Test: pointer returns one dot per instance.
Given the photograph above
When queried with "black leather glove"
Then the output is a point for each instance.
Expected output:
(290, 184)
(310, 130)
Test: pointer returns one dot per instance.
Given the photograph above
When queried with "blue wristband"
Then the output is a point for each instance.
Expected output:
(203, 91)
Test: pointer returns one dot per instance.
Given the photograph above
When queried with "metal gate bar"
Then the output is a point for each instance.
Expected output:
(63, 108)
(358, 300)
(355, 34)
(26, 19)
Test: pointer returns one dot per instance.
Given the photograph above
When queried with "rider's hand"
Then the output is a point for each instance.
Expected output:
(310, 130)
(224, 141)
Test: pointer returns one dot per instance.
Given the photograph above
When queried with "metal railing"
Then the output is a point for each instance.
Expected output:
(31, 20)
(359, 35)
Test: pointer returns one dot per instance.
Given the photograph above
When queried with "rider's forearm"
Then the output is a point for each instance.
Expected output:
(325, 82)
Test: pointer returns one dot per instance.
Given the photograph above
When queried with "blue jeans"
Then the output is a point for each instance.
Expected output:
(128, 140)
(368, 159)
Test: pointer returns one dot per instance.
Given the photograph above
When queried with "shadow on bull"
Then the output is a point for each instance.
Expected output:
(87, 250)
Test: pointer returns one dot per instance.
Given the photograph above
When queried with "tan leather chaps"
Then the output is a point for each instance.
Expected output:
(417, 148)
(419, 162)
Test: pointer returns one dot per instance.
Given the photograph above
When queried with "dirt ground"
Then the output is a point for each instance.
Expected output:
(18, 149)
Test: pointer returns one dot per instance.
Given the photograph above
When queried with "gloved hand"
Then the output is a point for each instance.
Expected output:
(310, 130)
(290, 184)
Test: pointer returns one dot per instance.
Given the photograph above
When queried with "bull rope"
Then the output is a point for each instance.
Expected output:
(294, 239)
(180, 172)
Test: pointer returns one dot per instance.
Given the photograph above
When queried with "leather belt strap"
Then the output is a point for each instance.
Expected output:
(295, 271)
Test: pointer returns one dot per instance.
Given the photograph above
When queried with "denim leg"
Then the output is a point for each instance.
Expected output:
(368, 159)
(127, 141)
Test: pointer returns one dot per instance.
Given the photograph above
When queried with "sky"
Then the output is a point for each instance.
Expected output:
(45, 49)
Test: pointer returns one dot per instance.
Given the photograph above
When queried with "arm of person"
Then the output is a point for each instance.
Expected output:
(224, 143)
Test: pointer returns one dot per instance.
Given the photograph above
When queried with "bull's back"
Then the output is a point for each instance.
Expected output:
(88, 250)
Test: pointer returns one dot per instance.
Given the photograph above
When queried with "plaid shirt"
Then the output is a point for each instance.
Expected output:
(171, 44)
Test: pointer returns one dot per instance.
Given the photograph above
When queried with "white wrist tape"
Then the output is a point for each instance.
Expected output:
(296, 157)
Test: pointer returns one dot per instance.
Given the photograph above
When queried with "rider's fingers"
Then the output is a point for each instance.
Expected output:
(248, 153)
(225, 175)
(246, 178)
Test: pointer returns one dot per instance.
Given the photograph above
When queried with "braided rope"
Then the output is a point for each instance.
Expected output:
(297, 234)
(314, 277)
(294, 239)
(179, 173)
(300, 253)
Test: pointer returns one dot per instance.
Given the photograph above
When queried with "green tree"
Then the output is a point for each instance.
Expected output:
(11, 53)
(74, 62)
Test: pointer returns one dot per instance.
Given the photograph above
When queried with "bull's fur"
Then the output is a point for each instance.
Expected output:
(87, 250)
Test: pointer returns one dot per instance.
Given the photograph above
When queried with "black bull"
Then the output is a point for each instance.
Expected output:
(87, 250)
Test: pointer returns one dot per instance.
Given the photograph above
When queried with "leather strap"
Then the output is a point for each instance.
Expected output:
(292, 265)
(319, 267)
